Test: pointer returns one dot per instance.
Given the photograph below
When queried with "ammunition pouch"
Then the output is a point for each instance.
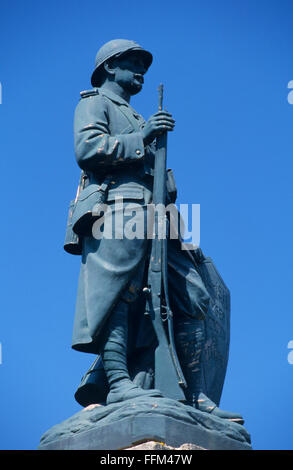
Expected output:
(85, 212)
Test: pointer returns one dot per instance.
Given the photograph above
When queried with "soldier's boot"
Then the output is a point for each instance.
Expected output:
(189, 345)
(114, 357)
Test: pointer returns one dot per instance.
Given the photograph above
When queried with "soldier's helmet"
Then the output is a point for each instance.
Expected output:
(114, 48)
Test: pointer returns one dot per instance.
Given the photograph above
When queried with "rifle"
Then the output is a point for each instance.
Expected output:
(169, 378)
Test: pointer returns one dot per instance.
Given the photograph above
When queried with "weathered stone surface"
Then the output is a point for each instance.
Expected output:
(152, 445)
(121, 425)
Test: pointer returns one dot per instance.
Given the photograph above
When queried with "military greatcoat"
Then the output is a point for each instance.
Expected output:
(108, 141)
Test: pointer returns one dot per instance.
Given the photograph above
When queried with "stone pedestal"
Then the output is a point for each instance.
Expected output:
(124, 425)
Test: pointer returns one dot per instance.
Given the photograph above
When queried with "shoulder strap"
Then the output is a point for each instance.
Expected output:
(92, 92)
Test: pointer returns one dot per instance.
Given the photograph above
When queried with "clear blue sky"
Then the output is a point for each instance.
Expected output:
(225, 65)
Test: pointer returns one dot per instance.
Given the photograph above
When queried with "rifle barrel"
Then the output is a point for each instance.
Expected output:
(161, 90)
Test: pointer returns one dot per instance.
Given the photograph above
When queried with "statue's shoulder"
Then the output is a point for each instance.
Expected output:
(89, 93)
(90, 101)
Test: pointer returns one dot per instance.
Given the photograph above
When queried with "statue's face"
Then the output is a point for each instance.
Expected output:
(129, 71)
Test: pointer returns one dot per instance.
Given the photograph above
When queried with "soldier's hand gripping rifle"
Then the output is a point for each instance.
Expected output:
(169, 378)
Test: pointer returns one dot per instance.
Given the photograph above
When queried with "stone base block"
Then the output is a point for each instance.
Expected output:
(126, 424)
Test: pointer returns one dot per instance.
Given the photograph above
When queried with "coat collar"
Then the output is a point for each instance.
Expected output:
(118, 100)
(113, 97)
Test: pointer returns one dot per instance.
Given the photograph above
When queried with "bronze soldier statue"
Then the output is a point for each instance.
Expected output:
(115, 149)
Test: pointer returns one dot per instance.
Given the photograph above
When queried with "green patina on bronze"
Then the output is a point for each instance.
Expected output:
(116, 151)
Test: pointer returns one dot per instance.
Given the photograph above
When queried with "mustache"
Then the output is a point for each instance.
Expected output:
(139, 77)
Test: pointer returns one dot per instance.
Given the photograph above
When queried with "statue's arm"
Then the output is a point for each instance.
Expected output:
(95, 146)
